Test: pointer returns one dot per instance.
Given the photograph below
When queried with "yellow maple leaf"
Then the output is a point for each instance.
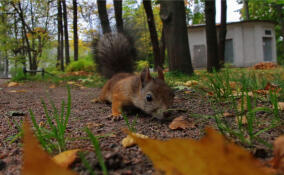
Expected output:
(36, 160)
(66, 158)
(212, 155)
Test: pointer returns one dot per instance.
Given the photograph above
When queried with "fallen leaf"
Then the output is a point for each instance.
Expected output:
(128, 141)
(227, 114)
(190, 83)
(11, 84)
(278, 159)
(180, 123)
(233, 84)
(262, 92)
(17, 91)
(281, 106)
(243, 119)
(265, 65)
(66, 158)
(210, 93)
(91, 125)
(212, 155)
(52, 86)
(36, 160)
(71, 82)
(270, 86)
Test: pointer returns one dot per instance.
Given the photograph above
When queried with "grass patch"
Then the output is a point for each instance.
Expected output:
(53, 137)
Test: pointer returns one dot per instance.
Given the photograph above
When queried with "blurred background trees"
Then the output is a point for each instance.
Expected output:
(53, 33)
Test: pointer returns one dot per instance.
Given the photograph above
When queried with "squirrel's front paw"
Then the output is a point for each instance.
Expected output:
(115, 117)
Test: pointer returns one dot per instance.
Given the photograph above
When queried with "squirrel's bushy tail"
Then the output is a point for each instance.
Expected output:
(114, 53)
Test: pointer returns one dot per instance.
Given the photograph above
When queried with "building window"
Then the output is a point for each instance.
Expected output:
(267, 32)
(229, 51)
(199, 56)
(267, 48)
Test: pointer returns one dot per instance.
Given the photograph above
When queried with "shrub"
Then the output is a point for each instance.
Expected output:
(83, 64)
(141, 64)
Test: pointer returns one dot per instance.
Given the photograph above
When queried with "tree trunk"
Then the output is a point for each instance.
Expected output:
(280, 14)
(103, 16)
(222, 32)
(162, 48)
(153, 33)
(211, 36)
(172, 14)
(246, 9)
(75, 31)
(60, 60)
(67, 55)
(118, 15)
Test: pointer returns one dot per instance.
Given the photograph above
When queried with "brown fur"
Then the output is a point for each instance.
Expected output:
(126, 89)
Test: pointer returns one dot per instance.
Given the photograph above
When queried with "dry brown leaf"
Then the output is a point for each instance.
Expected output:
(66, 158)
(11, 84)
(190, 83)
(281, 106)
(71, 82)
(212, 155)
(17, 91)
(227, 114)
(36, 160)
(180, 123)
(52, 86)
(233, 84)
(278, 159)
(129, 141)
(265, 65)
(92, 125)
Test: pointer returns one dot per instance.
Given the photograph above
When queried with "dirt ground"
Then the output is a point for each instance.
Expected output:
(84, 113)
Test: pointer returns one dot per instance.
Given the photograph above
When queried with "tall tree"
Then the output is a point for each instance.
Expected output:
(211, 36)
(75, 31)
(103, 16)
(272, 10)
(153, 33)
(60, 60)
(67, 57)
(222, 32)
(246, 8)
(118, 15)
(173, 16)
(280, 14)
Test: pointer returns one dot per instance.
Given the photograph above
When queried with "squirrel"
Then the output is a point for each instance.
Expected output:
(115, 56)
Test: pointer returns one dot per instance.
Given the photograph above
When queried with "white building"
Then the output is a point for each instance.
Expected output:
(247, 43)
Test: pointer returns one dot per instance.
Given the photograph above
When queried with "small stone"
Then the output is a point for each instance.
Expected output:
(16, 113)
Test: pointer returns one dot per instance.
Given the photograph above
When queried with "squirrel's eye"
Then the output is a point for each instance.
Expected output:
(148, 97)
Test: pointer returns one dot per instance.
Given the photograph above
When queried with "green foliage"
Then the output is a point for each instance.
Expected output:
(141, 64)
(173, 77)
(17, 74)
(83, 64)
(53, 137)
(131, 126)
(98, 151)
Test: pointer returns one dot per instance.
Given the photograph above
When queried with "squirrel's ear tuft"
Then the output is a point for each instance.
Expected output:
(145, 76)
(160, 73)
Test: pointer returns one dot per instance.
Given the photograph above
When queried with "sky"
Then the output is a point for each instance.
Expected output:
(232, 11)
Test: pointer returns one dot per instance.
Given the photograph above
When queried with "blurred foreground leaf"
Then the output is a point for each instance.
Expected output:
(36, 160)
(212, 155)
